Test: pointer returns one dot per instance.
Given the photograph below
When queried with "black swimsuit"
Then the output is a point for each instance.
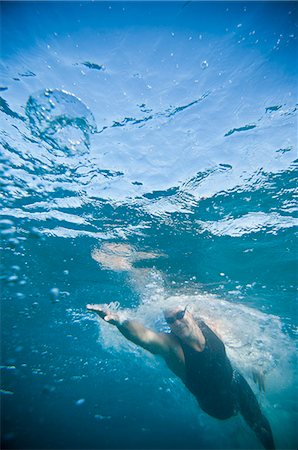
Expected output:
(210, 376)
(221, 391)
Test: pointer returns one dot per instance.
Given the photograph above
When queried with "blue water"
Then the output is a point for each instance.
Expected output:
(148, 158)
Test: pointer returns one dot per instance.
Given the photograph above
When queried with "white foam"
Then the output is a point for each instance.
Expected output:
(253, 340)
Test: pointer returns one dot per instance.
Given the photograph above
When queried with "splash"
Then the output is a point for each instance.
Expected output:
(62, 120)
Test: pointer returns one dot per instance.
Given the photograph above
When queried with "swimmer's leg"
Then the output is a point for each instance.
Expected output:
(251, 412)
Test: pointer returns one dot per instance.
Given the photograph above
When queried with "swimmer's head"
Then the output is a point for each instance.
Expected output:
(174, 314)
(180, 320)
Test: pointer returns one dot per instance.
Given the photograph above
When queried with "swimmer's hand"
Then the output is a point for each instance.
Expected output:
(104, 313)
(259, 379)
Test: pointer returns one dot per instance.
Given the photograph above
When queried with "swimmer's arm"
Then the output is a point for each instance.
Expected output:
(137, 333)
(156, 343)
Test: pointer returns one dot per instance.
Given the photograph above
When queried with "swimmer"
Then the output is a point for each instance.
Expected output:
(198, 357)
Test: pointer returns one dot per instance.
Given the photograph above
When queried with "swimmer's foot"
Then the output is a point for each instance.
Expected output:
(259, 379)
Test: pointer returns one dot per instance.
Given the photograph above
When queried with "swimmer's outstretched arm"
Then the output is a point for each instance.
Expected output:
(156, 343)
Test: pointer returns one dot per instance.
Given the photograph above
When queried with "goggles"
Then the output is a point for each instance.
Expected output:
(178, 316)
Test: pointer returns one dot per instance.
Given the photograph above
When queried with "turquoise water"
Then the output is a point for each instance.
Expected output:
(148, 158)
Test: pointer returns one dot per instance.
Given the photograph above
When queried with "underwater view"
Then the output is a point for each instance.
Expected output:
(149, 165)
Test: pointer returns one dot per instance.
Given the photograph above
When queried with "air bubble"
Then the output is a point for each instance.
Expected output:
(101, 417)
(13, 242)
(54, 294)
(204, 65)
(12, 279)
